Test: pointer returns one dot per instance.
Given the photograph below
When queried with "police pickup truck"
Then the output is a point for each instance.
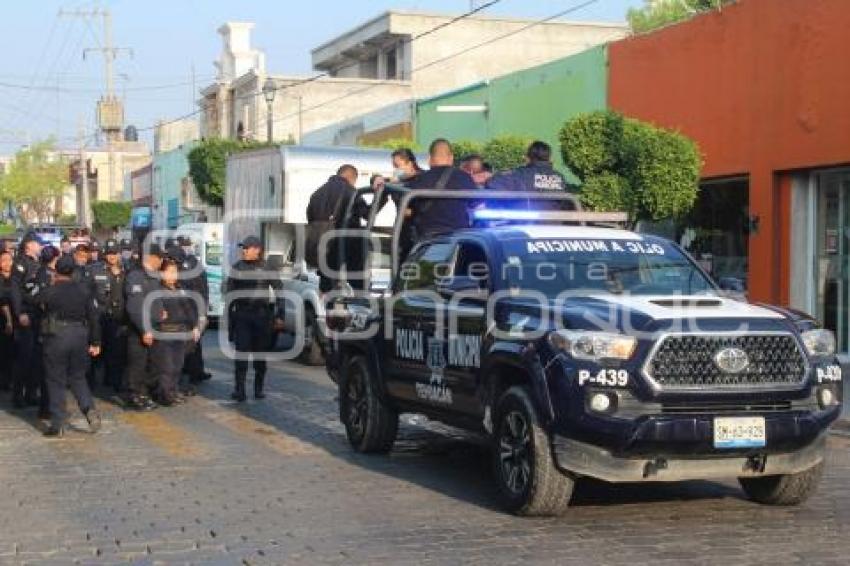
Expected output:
(587, 351)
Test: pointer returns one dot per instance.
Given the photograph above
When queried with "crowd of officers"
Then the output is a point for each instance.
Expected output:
(78, 318)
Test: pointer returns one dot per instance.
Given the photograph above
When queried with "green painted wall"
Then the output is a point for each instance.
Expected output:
(534, 102)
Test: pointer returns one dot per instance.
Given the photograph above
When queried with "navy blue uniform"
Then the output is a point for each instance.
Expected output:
(140, 379)
(27, 370)
(193, 365)
(70, 327)
(174, 316)
(539, 177)
(251, 320)
(109, 290)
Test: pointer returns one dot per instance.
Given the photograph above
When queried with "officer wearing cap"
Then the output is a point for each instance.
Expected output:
(71, 334)
(139, 283)
(126, 255)
(108, 277)
(196, 281)
(94, 252)
(252, 319)
(26, 373)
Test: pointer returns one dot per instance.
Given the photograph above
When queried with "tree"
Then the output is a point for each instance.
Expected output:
(506, 152)
(465, 148)
(34, 181)
(394, 143)
(625, 164)
(659, 13)
(208, 166)
(108, 214)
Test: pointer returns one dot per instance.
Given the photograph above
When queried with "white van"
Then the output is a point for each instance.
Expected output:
(208, 241)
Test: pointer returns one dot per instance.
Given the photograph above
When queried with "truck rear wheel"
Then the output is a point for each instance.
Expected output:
(529, 482)
(788, 489)
(370, 424)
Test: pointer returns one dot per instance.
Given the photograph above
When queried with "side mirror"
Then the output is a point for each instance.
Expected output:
(467, 287)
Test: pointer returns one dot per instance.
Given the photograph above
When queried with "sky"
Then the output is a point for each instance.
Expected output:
(47, 87)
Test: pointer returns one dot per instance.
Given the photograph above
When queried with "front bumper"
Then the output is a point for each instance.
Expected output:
(583, 459)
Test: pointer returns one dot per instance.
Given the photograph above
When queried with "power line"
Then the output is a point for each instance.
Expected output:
(51, 88)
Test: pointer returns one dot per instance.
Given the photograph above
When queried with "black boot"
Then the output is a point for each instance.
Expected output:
(54, 431)
(259, 381)
(239, 392)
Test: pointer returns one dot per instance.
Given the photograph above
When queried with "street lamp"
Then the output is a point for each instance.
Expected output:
(269, 91)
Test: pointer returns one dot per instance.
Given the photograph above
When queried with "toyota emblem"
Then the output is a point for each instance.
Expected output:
(731, 360)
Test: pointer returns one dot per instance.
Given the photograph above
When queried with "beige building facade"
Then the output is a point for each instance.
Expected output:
(386, 62)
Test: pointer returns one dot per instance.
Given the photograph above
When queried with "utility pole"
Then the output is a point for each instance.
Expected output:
(110, 109)
(83, 204)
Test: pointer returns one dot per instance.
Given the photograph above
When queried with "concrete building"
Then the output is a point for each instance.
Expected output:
(168, 135)
(175, 200)
(386, 62)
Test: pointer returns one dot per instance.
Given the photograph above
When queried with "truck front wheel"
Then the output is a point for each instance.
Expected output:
(788, 489)
(529, 482)
(371, 425)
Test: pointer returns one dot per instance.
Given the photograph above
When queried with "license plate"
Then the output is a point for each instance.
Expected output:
(739, 432)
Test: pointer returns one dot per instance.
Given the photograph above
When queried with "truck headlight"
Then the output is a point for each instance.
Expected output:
(590, 345)
(820, 342)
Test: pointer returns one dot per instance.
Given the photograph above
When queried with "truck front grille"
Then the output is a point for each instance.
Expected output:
(687, 361)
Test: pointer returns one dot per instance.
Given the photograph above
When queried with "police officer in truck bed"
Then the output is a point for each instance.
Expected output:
(537, 175)
(71, 334)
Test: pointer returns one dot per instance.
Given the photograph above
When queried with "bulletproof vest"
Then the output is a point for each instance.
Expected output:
(248, 283)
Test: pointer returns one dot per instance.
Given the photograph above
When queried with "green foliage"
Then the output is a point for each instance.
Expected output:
(208, 166)
(626, 164)
(6, 229)
(506, 152)
(108, 214)
(393, 144)
(464, 148)
(661, 13)
(34, 180)
(66, 219)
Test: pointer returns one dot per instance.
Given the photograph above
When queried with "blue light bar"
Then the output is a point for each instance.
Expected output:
(501, 214)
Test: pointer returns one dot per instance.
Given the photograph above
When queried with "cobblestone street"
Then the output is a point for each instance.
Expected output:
(275, 482)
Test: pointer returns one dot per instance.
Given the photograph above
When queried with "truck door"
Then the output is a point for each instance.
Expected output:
(416, 351)
(465, 328)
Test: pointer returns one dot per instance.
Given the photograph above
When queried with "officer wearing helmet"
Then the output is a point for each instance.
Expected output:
(253, 318)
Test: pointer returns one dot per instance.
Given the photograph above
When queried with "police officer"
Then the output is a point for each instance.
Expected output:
(430, 217)
(127, 255)
(253, 319)
(537, 175)
(94, 252)
(108, 279)
(71, 334)
(27, 374)
(140, 282)
(195, 281)
(174, 316)
(7, 318)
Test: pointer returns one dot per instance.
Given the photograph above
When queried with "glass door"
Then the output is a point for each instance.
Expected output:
(832, 249)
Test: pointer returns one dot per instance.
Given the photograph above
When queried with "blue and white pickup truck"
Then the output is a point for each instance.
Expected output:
(586, 351)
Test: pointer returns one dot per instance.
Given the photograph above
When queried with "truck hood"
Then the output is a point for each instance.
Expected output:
(624, 312)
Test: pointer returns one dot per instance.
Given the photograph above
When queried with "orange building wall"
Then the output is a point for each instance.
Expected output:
(764, 87)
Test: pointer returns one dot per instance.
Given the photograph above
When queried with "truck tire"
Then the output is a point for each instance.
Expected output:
(529, 482)
(788, 489)
(370, 424)
(313, 353)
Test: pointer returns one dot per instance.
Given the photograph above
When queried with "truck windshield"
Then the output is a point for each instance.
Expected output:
(637, 267)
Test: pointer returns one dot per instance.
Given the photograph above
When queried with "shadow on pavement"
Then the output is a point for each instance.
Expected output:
(431, 455)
